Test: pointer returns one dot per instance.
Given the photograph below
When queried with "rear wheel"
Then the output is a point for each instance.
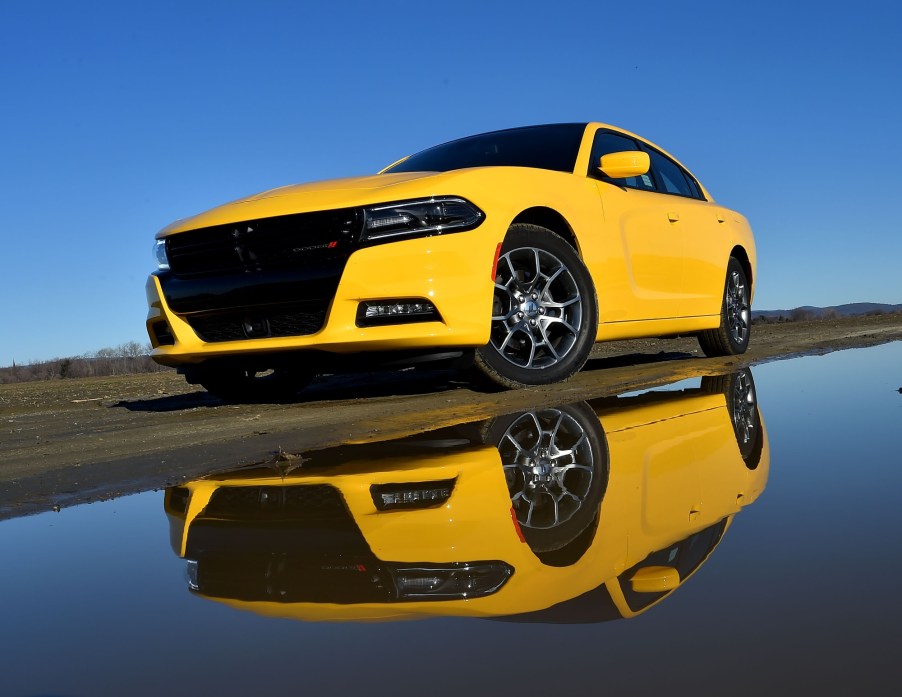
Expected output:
(544, 313)
(742, 405)
(732, 336)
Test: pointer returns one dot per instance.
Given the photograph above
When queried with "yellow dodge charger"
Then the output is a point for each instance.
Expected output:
(511, 251)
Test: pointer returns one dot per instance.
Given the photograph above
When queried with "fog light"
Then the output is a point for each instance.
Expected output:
(163, 334)
(387, 497)
(400, 311)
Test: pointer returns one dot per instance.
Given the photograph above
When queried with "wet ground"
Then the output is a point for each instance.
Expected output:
(731, 534)
(65, 442)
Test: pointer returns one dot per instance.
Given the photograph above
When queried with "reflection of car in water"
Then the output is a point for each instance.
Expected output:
(583, 512)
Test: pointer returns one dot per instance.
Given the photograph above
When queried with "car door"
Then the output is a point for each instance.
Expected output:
(638, 221)
(696, 223)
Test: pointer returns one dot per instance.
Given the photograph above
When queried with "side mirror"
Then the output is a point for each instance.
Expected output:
(619, 165)
(655, 579)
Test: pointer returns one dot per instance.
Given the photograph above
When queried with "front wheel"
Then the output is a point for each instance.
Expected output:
(544, 312)
(732, 336)
(556, 468)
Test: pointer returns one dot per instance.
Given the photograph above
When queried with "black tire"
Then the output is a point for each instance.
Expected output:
(742, 405)
(556, 468)
(544, 315)
(235, 384)
(732, 336)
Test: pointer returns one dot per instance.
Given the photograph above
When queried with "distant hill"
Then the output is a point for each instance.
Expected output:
(811, 312)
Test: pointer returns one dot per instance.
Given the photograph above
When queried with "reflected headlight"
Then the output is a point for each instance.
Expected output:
(191, 574)
(454, 581)
(159, 255)
(419, 218)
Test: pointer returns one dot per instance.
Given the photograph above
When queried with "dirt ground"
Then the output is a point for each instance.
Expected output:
(65, 442)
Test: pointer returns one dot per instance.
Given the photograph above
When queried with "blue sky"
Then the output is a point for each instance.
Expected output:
(119, 117)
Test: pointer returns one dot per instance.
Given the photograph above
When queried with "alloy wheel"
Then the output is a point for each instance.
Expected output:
(537, 311)
(548, 466)
(745, 410)
(738, 309)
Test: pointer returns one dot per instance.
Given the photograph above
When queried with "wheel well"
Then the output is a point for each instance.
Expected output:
(550, 219)
(740, 254)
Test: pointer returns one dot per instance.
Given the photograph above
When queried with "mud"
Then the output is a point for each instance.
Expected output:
(66, 442)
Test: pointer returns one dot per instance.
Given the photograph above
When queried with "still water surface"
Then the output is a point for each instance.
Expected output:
(667, 541)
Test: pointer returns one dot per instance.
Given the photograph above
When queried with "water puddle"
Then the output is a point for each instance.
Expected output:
(591, 546)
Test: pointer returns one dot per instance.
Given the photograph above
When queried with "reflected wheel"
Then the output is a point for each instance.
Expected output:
(742, 405)
(555, 464)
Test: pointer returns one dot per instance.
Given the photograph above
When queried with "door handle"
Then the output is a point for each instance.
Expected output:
(673, 217)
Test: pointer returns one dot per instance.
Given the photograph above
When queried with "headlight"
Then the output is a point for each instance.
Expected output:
(159, 255)
(419, 218)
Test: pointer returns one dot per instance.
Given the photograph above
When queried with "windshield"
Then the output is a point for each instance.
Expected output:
(544, 147)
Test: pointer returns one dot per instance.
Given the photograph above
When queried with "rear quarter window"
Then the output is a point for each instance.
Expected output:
(671, 178)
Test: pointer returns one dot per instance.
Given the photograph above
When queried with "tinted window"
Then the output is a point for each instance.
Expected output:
(593, 606)
(696, 189)
(670, 177)
(544, 147)
(685, 557)
(606, 143)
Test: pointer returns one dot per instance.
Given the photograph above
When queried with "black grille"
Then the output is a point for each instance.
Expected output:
(283, 544)
(236, 326)
(311, 501)
(341, 579)
(287, 241)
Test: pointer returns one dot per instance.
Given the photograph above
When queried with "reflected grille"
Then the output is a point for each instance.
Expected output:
(312, 501)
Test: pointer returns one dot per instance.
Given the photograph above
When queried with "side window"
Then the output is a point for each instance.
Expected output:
(670, 176)
(685, 556)
(606, 143)
(696, 189)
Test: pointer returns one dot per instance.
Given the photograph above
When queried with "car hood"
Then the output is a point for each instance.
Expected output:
(313, 196)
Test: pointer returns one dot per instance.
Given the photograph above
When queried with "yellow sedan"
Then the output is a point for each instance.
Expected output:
(512, 252)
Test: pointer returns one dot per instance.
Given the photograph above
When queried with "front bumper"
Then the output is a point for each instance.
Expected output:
(453, 272)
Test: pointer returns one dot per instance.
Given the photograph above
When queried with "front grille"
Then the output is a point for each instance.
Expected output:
(260, 323)
(282, 544)
(268, 277)
(339, 577)
(287, 241)
(310, 501)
